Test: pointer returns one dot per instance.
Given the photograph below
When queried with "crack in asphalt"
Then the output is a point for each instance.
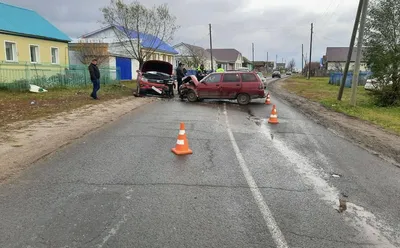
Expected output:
(187, 185)
(331, 240)
(211, 155)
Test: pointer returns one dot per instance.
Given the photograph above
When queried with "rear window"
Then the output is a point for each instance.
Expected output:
(248, 77)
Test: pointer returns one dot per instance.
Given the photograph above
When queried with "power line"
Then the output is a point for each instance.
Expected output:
(332, 13)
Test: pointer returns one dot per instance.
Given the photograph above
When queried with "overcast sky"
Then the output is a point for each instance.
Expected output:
(278, 27)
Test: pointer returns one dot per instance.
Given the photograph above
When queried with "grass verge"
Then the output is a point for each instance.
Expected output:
(19, 106)
(318, 90)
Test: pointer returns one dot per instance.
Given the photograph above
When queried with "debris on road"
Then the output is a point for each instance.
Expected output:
(342, 205)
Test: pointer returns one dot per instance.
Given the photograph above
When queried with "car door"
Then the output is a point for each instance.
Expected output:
(209, 87)
(230, 85)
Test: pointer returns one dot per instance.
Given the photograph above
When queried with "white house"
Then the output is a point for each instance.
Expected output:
(192, 56)
(119, 58)
(229, 58)
(336, 58)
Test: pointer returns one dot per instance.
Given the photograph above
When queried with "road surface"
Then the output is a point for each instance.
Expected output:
(247, 184)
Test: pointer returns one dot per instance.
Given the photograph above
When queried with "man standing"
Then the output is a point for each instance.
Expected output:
(200, 72)
(220, 69)
(179, 75)
(95, 78)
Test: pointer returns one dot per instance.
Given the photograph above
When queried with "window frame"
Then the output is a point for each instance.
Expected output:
(211, 75)
(37, 55)
(233, 73)
(15, 53)
(57, 57)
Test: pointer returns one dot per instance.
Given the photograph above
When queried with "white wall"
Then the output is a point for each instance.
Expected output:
(135, 67)
(332, 66)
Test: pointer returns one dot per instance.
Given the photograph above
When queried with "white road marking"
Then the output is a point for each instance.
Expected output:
(112, 232)
(366, 222)
(273, 227)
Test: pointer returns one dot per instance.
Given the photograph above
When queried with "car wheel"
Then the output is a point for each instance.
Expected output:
(243, 99)
(191, 96)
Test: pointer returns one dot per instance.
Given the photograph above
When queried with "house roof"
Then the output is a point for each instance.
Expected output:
(199, 51)
(25, 22)
(339, 54)
(225, 54)
(147, 40)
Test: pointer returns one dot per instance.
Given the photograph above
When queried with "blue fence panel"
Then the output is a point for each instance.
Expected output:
(335, 78)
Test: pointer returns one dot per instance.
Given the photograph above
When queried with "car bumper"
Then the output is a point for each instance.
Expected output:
(149, 89)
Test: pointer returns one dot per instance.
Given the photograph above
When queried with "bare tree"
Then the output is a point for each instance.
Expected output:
(291, 65)
(194, 57)
(338, 67)
(140, 30)
(87, 50)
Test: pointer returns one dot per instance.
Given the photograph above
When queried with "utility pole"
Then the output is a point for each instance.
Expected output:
(267, 63)
(309, 62)
(211, 49)
(358, 55)
(252, 51)
(353, 37)
(302, 58)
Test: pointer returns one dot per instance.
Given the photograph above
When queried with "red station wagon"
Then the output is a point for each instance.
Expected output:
(239, 85)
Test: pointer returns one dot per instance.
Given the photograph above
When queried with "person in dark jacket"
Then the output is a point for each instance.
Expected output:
(200, 72)
(180, 73)
(95, 78)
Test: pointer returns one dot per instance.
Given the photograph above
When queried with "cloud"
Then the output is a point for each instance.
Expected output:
(276, 27)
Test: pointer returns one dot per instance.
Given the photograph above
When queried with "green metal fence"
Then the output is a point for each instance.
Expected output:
(18, 76)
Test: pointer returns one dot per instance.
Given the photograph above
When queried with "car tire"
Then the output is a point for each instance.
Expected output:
(191, 96)
(243, 99)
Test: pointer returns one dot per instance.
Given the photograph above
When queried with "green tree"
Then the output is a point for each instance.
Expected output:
(382, 52)
(135, 24)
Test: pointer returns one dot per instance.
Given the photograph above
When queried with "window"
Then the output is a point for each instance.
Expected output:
(34, 51)
(11, 51)
(213, 78)
(54, 55)
(249, 77)
(163, 57)
(231, 77)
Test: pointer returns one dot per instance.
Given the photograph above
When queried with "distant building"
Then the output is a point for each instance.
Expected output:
(229, 58)
(336, 59)
(192, 56)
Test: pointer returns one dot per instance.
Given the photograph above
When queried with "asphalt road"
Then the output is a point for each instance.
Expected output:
(247, 184)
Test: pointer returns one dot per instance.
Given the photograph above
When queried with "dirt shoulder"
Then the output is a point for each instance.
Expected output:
(365, 134)
(25, 142)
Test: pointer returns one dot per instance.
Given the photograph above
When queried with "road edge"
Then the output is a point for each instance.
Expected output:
(328, 118)
(20, 165)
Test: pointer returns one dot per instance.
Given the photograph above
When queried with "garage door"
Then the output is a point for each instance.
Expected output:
(125, 66)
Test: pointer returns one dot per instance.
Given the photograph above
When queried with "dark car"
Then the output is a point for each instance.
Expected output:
(155, 78)
(276, 74)
(240, 85)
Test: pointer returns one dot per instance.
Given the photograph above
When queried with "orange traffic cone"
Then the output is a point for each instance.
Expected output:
(273, 118)
(182, 145)
(268, 100)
